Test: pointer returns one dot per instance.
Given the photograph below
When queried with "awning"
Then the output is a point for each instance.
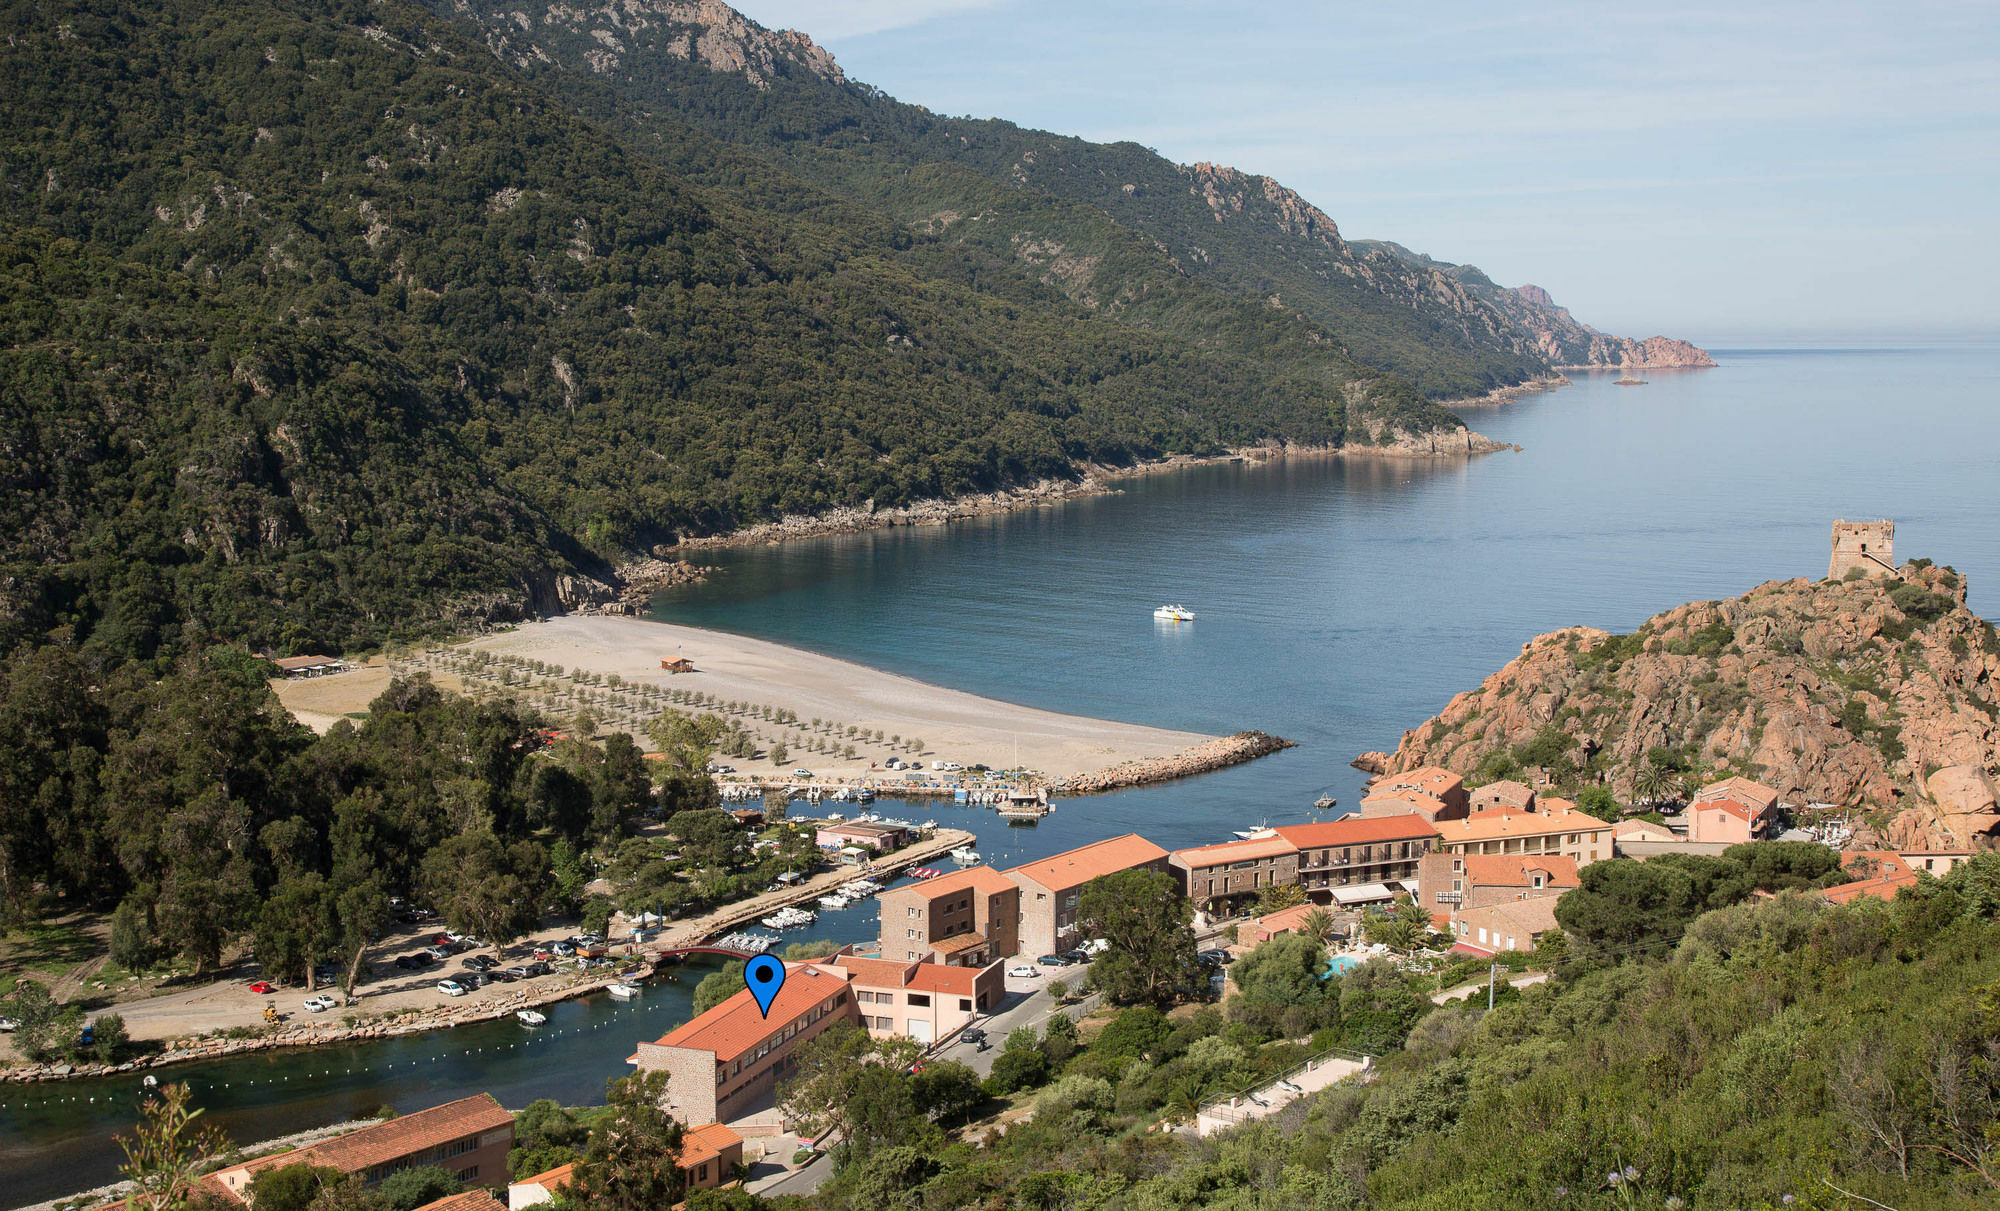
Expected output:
(1363, 893)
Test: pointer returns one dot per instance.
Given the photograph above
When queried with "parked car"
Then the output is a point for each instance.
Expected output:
(519, 971)
(452, 988)
(1025, 972)
(1217, 956)
(802, 773)
(502, 975)
(1075, 956)
(481, 963)
(895, 763)
(974, 1036)
(563, 949)
(538, 969)
(1051, 961)
(320, 1003)
(263, 987)
(473, 979)
(414, 961)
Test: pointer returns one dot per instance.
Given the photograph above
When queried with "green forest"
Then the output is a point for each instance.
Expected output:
(322, 326)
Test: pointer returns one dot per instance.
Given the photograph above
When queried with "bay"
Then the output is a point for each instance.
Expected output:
(1341, 601)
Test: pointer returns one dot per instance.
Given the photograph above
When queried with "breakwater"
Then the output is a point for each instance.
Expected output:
(1220, 753)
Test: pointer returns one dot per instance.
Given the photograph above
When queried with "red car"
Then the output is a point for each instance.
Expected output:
(263, 986)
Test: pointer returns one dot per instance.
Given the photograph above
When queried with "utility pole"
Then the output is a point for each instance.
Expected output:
(1492, 972)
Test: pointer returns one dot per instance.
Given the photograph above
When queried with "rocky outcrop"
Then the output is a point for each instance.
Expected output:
(1435, 444)
(1875, 692)
(1220, 753)
(610, 32)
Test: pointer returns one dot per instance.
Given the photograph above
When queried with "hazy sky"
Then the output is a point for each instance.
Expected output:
(1712, 171)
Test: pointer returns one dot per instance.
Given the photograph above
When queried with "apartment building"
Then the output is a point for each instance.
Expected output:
(1221, 878)
(1051, 887)
(1556, 827)
(1505, 795)
(1430, 791)
(966, 919)
(1354, 859)
(925, 1001)
(468, 1139)
(709, 1156)
(1512, 925)
(1449, 883)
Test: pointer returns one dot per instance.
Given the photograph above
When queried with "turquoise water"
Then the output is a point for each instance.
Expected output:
(1339, 964)
(1341, 602)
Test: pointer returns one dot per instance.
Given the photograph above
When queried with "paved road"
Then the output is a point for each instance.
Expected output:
(1028, 1004)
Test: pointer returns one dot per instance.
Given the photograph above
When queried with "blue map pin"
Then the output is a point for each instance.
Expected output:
(765, 976)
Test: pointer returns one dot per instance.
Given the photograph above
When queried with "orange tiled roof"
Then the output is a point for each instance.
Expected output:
(875, 973)
(940, 977)
(1507, 791)
(1742, 811)
(1405, 794)
(471, 1200)
(1506, 822)
(1525, 917)
(1076, 867)
(1882, 887)
(1354, 830)
(550, 1179)
(1426, 779)
(1741, 789)
(982, 879)
(1512, 870)
(1236, 851)
(385, 1142)
(706, 1143)
(962, 942)
(1286, 918)
(1886, 861)
(735, 1026)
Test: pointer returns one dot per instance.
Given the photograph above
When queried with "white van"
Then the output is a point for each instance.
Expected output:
(947, 766)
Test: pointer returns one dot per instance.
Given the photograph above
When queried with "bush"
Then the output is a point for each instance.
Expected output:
(412, 1188)
(1016, 1070)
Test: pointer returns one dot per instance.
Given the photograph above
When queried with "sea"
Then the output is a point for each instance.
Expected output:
(1340, 601)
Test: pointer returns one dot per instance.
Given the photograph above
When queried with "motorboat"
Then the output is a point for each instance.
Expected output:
(622, 990)
(1174, 613)
(789, 918)
(965, 855)
(530, 1017)
(833, 900)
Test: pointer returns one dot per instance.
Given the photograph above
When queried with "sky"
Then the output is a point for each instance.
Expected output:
(1714, 171)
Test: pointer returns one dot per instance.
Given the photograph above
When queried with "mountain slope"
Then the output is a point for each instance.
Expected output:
(1851, 692)
(322, 323)
(1049, 198)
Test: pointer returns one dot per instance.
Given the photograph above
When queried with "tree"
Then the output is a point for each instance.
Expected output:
(1016, 1070)
(1277, 975)
(297, 928)
(292, 1187)
(718, 986)
(780, 754)
(821, 1097)
(163, 1155)
(632, 1162)
(486, 888)
(1280, 896)
(1150, 928)
(1317, 925)
(1625, 907)
(46, 1029)
(408, 1189)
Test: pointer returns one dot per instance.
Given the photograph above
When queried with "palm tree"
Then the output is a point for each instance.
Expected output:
(1651, 782)
(1318, 925)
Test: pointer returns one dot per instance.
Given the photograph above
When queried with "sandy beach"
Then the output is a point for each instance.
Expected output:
(953, 726)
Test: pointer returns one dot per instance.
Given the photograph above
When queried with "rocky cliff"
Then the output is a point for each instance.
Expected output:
(1876, 693)
(1541, 324)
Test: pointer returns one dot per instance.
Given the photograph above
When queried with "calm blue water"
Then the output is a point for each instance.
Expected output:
(1340, 602)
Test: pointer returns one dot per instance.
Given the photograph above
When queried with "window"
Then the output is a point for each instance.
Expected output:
(913, 910)
(701, 1174)
(1457, 864)
(467, 1175)
(922, 1000)
(965, 1004)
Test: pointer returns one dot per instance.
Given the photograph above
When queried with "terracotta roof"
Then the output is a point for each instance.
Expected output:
(914, 974)
(549, 1179)
(1742, 811)
(1357, 830)
(1426, 779)
(1882, 887)
(706, 1143)
(1886, 861)
(1512, 870)
(384, 1142)
(940, 977)
(1743, 790)
(864, 828)
(1236, 851)
(1506, 822)
(1523, 918)
(1406, 794)
(1286, 918)
(875, 973)
(735, 1026)
(471, 1200)
(1507, 792)
(982, 879)
(1642, 828)
(1074, 868)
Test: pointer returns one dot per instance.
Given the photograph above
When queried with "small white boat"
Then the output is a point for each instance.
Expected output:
(1174, 613)
(530, 1017)
(833, 901)
(622, 991)
(864, 795)
(965, 855)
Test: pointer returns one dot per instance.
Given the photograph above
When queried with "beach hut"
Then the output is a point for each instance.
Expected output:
(677, 664)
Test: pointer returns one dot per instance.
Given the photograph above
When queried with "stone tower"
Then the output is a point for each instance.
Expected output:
(1868, 545)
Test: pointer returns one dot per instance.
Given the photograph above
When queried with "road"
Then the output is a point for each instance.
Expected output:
(1028, 1004)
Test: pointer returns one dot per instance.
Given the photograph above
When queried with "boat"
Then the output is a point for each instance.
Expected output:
(833, 900)
(530, 1017)
(1325, 803)
(789, 918)
(1261, 829)
(622, 991)
(1174, 613)
(865, 795)
(965, 855)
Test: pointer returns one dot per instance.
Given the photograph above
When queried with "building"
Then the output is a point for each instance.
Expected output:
(1732, 811)
(1050, 888)
(1354, 859)
(1430, 791)
(727, 1062)
(1451, 883)
(1511, 925)
(967, 919)
(1867, 545)
(710, 1154)
(1283, 921)
(1556, 828)
(881, 838)
(1641, 832)
(1934, 861)
(925, 1001)
(1504, 796)
(470, 1200)
(468, 1139)
(1221, 878)
(1877, 873)
(295, 667)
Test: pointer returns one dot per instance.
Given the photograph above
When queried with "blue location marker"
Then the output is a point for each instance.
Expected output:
(765, 976)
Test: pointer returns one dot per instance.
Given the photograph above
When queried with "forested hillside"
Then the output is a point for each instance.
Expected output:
(1107, 224)
(321, 323)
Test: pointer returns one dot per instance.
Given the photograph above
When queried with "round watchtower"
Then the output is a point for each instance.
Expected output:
(1867, 545)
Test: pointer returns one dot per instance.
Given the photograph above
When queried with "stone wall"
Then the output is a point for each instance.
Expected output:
(1868, 545)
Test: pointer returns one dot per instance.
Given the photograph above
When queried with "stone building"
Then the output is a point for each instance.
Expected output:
(1556, 827)
(1353, 860)
(1867, 545)
(1051, 887)
(966, 919)
(1430, 791)
(468, 1139)
(1451, 883)
(1221, 878)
